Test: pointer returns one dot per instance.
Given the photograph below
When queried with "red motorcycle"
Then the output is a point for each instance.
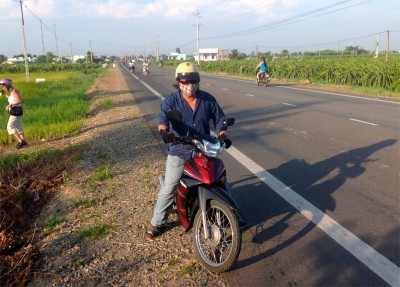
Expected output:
(203, 201)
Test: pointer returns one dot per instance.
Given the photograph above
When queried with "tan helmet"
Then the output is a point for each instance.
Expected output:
(187, 72)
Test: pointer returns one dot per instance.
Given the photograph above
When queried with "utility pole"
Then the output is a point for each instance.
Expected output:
(23, 37)
(377, 46)
(158, 50)
(72, 55)
(55, 35)
(41, 31)
(387, 45)
(197, 37)
(91, 53)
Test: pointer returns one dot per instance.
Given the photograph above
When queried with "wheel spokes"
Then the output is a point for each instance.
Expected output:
(220, 243)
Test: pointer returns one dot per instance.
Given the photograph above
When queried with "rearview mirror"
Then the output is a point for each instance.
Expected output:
(174, 115)
(229, 122)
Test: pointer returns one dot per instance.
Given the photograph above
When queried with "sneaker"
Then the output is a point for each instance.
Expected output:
(152, 231)
(19, 145)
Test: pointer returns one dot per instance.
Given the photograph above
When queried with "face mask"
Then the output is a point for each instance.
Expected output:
(189, 89)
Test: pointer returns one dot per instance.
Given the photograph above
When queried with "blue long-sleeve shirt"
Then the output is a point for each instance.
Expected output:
(197, 121)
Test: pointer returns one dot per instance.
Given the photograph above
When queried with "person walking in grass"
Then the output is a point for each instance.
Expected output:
(14, 125)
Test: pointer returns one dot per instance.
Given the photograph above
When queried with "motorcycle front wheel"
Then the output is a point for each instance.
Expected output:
(219, 252)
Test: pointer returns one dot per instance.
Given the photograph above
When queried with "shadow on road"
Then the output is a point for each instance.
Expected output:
(277, 223)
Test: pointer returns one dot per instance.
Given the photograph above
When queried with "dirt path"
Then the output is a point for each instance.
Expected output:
(112, 190)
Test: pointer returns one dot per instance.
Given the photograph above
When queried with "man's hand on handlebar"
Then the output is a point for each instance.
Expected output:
(222, 135)
(166, 136)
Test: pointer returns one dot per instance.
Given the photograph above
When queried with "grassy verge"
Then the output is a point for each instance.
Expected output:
(55, 108)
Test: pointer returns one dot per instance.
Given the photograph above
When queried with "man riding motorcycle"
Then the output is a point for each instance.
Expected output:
(197, 108)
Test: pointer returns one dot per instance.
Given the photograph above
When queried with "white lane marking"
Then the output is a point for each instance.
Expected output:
(340, 95)
(287, 104)
(379, 264)
(364, 122)
(147, 86)
(250, 95)
(225, 89)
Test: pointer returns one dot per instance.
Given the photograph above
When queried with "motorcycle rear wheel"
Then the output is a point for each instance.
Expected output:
(219, 252)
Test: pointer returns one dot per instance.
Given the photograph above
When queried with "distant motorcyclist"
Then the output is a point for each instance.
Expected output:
(262, 68)
(145, 67)
(131, 66)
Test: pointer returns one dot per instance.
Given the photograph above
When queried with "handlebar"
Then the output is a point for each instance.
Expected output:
(188, 140)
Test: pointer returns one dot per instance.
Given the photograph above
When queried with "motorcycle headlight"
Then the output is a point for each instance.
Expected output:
(213, 149)
(199, 144)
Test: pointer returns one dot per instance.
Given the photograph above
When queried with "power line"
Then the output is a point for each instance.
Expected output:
(289, 20)
(223, 19)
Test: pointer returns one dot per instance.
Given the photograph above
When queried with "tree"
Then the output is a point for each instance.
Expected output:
(285, 53)
(49, 57)
(178, 50)
(23, 56)
(241, 56)
(89, 57)
(266, 55)
(355, 50)
(80, 61)
(2, 58)
(114, 58)
(234, 54)
(41, 59)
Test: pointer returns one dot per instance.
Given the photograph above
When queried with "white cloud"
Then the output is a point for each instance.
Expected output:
(11, 9)
(41, 7)
(126, 9)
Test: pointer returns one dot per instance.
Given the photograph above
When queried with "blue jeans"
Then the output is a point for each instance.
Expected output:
(173, 172)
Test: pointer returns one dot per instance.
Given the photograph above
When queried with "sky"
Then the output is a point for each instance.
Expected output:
(143, 27)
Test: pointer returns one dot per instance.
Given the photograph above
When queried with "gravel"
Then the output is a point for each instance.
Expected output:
(116, 207)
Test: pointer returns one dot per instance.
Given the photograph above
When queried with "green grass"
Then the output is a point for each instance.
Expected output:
(173, 262)
(107, 104)
(55, 108)
(101, 174)
(187, 270)
(95, 231)
(80, 262)
(85, 203)
(9, 162)
(52, 224)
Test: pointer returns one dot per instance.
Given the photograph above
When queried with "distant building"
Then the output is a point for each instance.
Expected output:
(74, 58)
(17, 60)
(212, 54)
(177, 56)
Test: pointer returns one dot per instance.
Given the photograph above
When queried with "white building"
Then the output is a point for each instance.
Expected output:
(177, 56)
(17, 60)
(212, 54)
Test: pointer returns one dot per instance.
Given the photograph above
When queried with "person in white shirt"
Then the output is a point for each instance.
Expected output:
(14, 125)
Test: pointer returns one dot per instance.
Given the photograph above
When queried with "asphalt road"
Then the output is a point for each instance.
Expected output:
(316, 175)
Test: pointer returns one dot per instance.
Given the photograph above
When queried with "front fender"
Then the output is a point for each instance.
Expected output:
(217, 193)
(204, 195)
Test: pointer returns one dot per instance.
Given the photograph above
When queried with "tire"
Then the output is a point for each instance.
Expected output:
(221, 251)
